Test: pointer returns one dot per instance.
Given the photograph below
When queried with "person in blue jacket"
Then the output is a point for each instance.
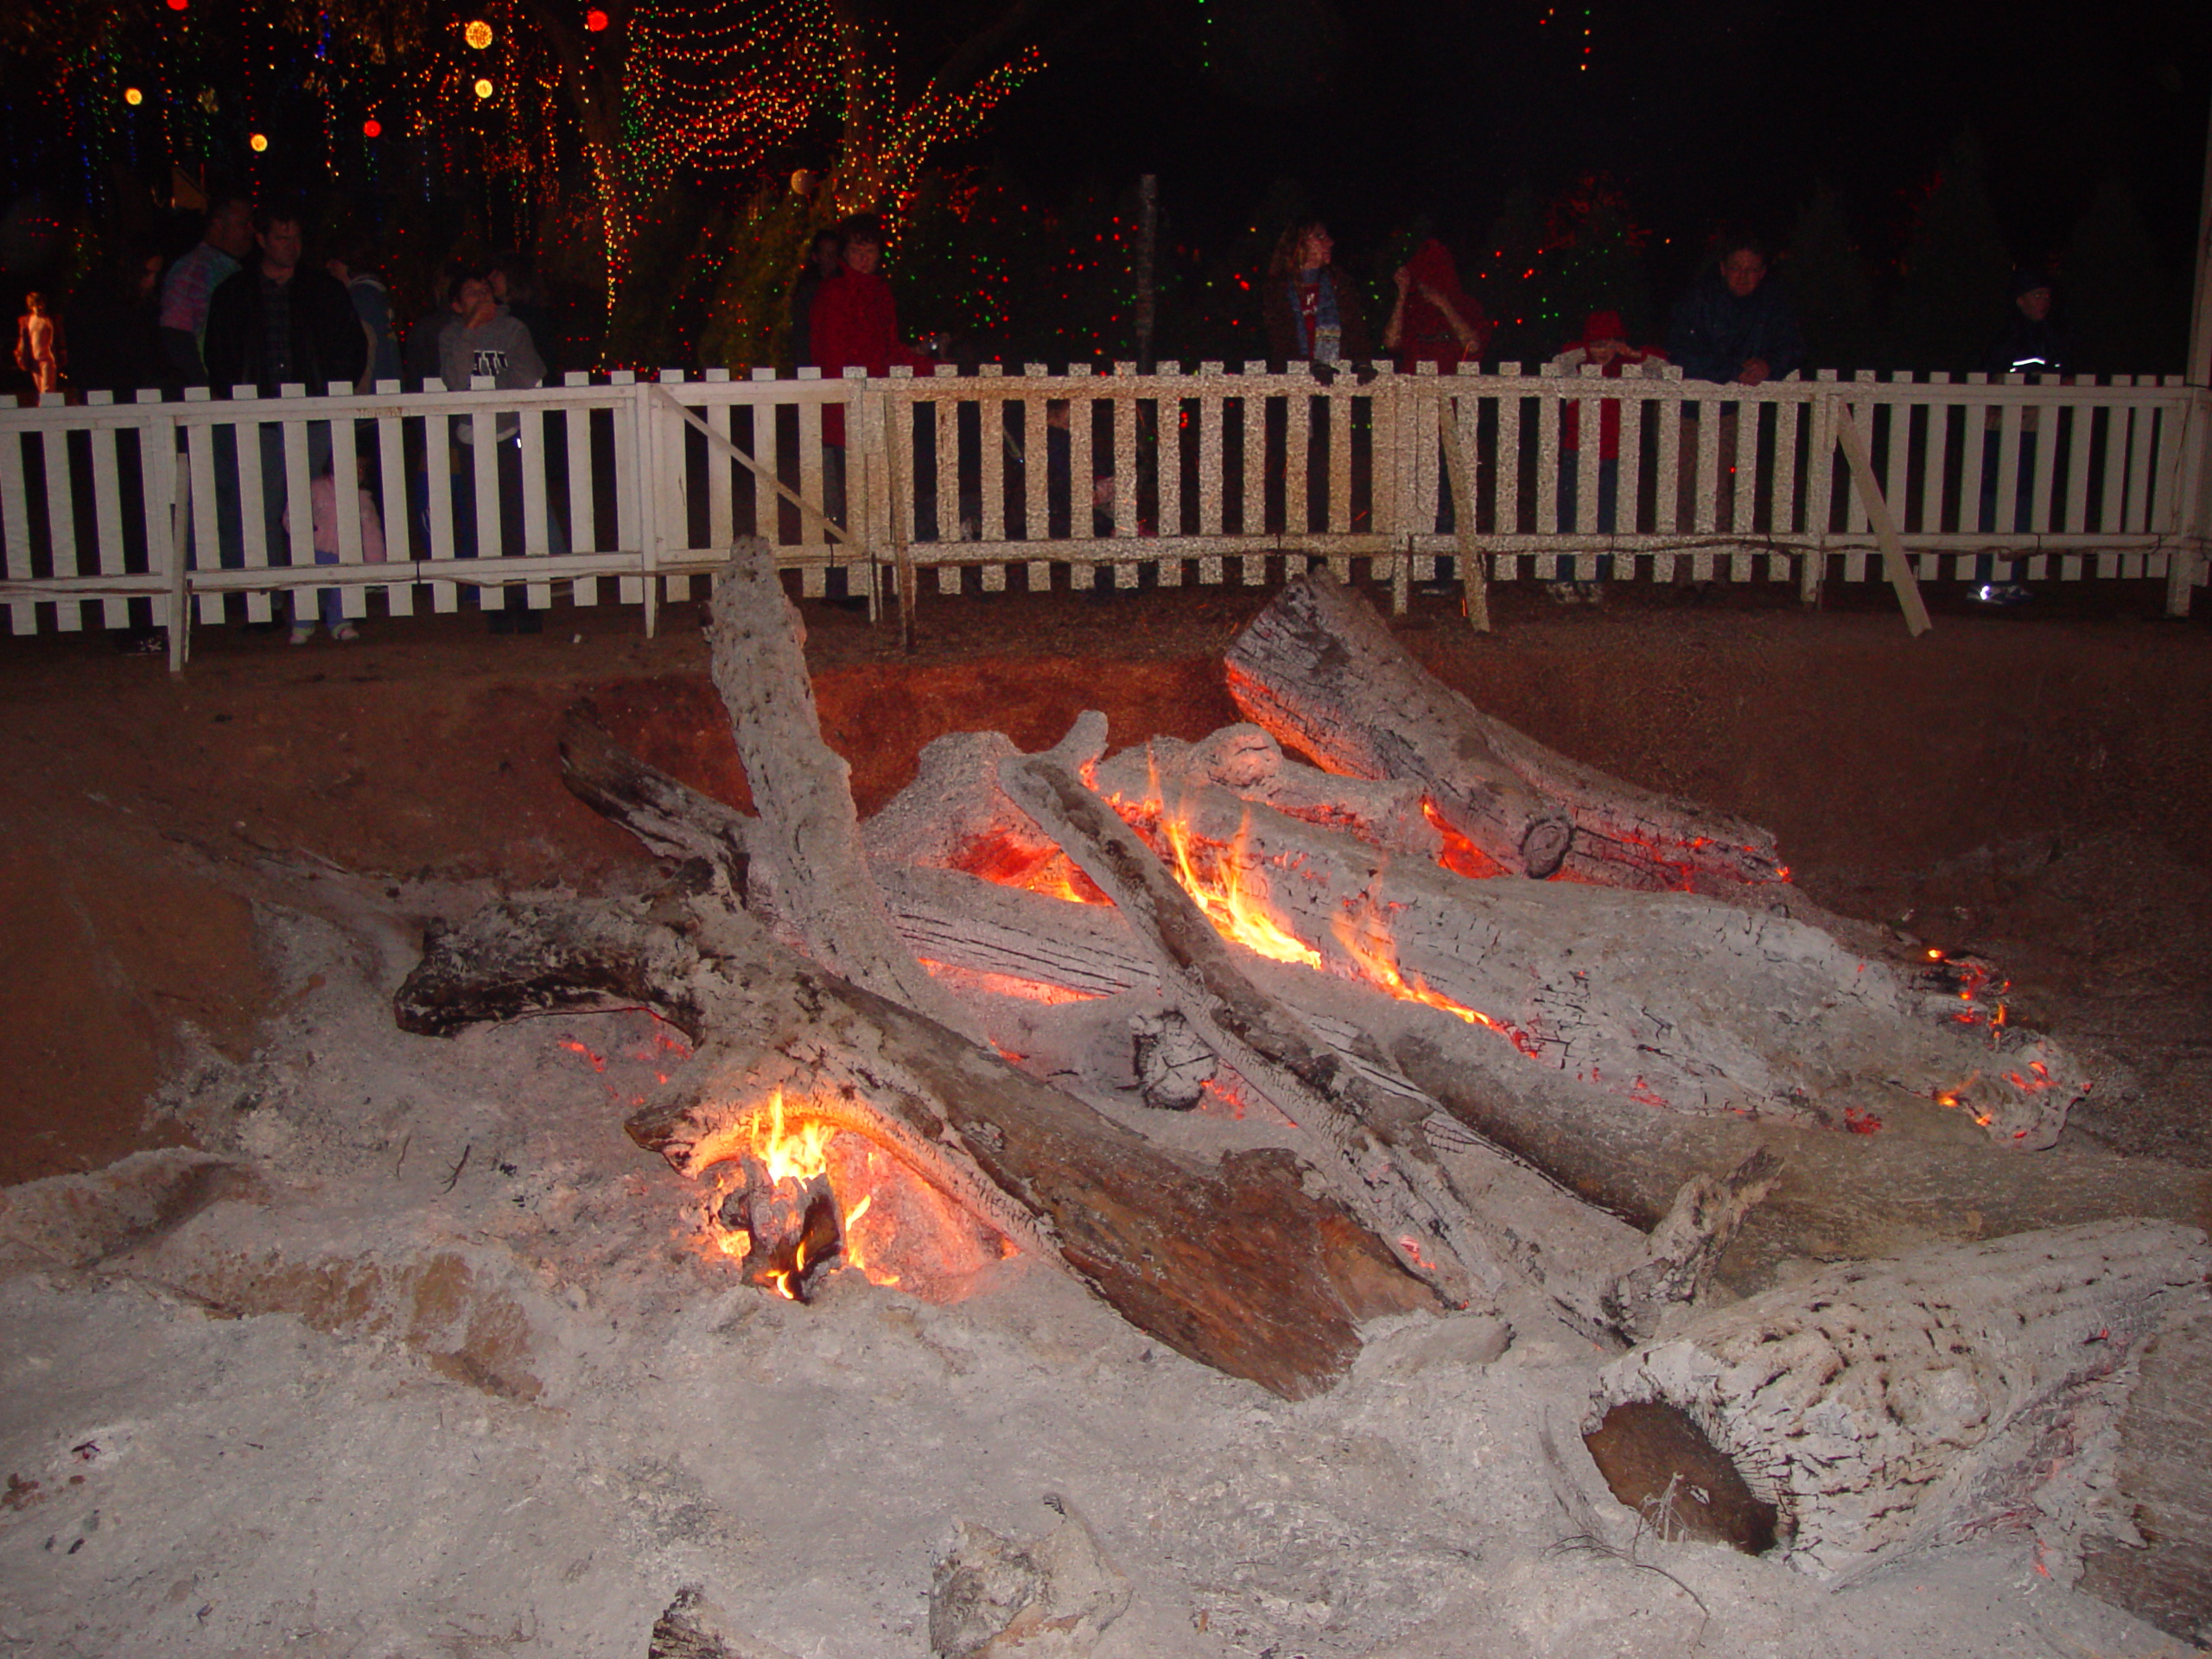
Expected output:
(1737, 328)
(1734, 325)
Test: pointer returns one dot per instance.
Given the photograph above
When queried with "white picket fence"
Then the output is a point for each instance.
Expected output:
(1160, 479)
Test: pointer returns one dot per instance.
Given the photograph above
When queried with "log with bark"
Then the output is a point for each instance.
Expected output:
(1670, 1000)
(1868, 1410)
(1320, 669)
(1276, 1297)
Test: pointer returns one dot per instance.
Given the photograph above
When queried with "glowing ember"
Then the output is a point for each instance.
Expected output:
(1460, 855)
(784, 1177)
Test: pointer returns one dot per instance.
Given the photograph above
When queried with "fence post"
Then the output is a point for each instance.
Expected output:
(172, 484)
(1813, 574)
(2193, 500)
(644, 446)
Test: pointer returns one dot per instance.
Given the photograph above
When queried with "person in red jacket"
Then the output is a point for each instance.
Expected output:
(1603, 346)
(1434, 321)
(855, 321)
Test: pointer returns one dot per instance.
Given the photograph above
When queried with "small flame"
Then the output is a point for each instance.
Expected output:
(799, 1153)
(1237, 914)
(1373, 953)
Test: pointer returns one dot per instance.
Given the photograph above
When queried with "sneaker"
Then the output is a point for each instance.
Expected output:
(1562, 593)
(302, 632)
(346, 632)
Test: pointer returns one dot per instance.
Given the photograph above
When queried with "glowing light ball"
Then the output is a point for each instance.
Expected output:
(483, 89)
(372, 128)
(133, 97)
(595, 20)
(179, 5)
(258, 142)
(477, 33)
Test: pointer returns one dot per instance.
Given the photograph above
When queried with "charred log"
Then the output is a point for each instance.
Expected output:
(1320, 669)
(1874, 1409)
(1277, 1297)
(1368, 1145)
(793, 1232)
(807, 833)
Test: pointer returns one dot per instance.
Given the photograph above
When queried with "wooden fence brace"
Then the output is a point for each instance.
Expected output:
(1877, 514)
(716, 440)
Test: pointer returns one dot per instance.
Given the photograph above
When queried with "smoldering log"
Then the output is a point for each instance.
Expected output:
(1276, 1297)
(1321, 671)
(1368, 1145)
(1872, 1408)
(1673, 1001)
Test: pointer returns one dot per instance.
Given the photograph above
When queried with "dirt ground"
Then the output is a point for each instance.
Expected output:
(421, 1308)
(2030, 785)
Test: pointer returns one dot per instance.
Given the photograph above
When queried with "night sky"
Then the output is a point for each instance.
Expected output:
(1705, 110)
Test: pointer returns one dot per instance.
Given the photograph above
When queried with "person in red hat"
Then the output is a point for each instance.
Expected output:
(1434, 320)
(1602, 345)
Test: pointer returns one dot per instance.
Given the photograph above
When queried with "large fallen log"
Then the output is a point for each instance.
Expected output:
(1866, 1410)
(808, 831)
(1238, 1267)
(1320, 669)
(1836, 1195)
(1669, 1000)
(1359, 1134)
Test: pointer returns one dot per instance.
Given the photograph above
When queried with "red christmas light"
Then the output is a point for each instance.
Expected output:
(372, 128)
(179, 5)
(595, 20)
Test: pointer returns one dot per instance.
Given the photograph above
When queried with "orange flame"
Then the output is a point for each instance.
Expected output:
(1373, 954)
(793, 1153)
(1237, 914)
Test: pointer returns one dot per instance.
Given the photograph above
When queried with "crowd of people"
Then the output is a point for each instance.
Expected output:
(251, 305)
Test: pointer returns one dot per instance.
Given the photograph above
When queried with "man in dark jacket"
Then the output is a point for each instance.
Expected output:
(1736, 328)
(280, 322)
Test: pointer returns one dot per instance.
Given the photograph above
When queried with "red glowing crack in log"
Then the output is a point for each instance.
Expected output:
(1320, 669)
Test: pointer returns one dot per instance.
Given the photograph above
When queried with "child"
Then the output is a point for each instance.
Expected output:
(1604, 346)
(39, 350)
(323, 501)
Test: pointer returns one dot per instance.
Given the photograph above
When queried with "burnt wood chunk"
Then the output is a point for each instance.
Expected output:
(1322, 671)
(1238, 1267)
(1883, 1406)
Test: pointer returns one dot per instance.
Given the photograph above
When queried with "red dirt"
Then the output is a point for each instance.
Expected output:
(2029, 785)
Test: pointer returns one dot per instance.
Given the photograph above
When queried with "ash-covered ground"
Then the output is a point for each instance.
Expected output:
(379, 1345)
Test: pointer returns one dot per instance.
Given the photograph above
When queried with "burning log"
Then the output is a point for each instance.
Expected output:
(794, 1231)
(1277, 1297)
(1870, 1409)
(1377, 1163)
(1321, 671)
(1673, 1002)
